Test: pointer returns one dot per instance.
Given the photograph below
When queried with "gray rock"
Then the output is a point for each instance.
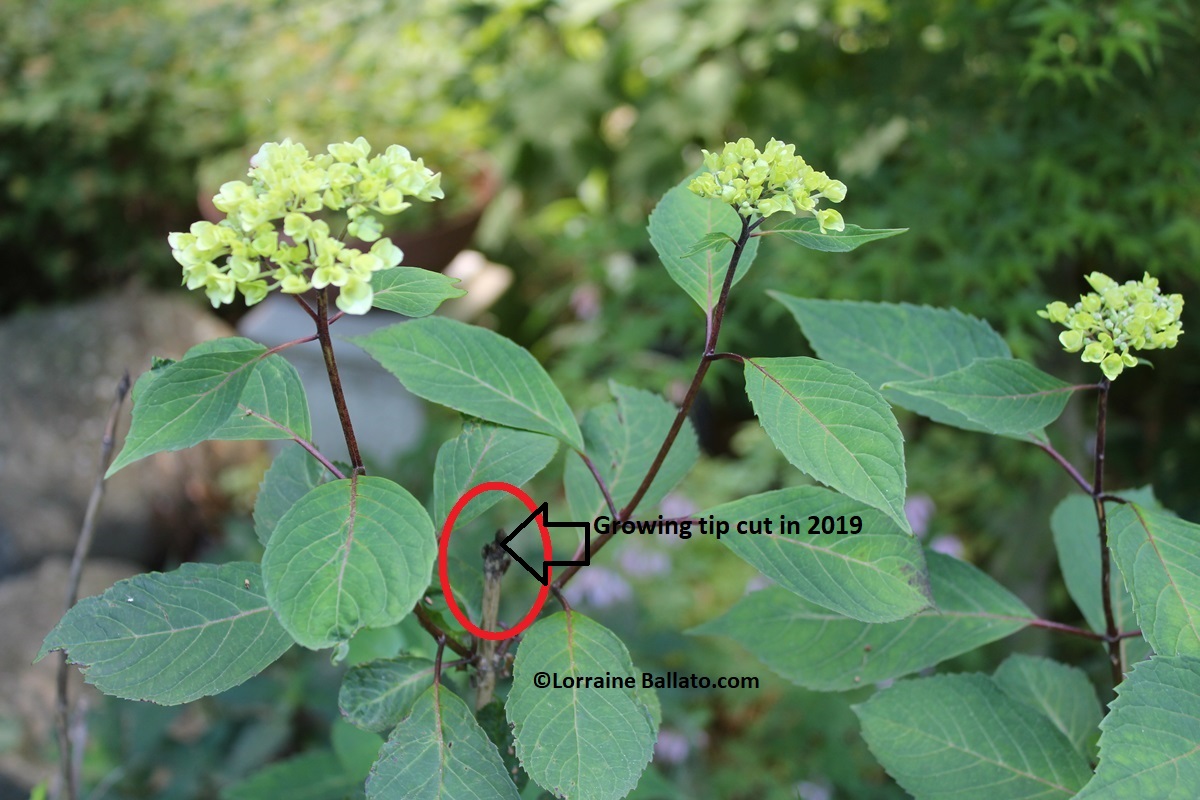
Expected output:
(62, 366)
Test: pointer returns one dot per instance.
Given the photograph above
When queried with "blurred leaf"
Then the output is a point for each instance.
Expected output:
(807, 233)
(832, 426)
(558, 731)
(173, 637)
(356, 749)
(293, 474)
(483, 453)
(475, 371)
(622, 441)
(960, 736)
(439, 753)
(378, 694)
(1148, 739)
(680, 221)
(412, 291)
(1159, 556)
(1063, 694)
(351, 554)
(820, 649)
(314, 775)
(998, 395)
(185, 403)
(878, 575)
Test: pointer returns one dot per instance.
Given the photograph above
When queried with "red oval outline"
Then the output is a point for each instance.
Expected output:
(443, 564)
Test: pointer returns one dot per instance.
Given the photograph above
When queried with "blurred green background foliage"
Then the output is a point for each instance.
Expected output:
(1025, 143)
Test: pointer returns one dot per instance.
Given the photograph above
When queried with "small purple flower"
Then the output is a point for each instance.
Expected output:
(598, 587)
(919, 510)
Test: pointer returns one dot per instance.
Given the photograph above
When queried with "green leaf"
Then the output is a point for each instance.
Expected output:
(997, 395)
(1159, 555)
(185, 403)
(1063, 694)
(1148, 741)
(886, 343)
(412, 291)
(713, 241)
(314, 775)
(439, 753)
(807, 233)
(293, 474)
(677, 223)
(273, 404)
(1077, 540)
(960, 737)
(173, 637)
(483, 453)
(827, 651)
(354, 553)
(578, 743)
(375, 696)
(475, 371)
(622, 441)
(834, 427)
(878, 575)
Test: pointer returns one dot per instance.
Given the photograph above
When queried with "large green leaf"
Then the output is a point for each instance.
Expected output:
(1063, 694)
(354, 553)
(886, 342)
(820, 649)
(1150, 740)
(622, 441)
(412, 291)
(293, 474)
(483, 453)
(1077, 540)
(831, 425)
(678, 222)
(878, 575)
(173, 637)
(378, 694)
(960, 737)
(475, 371)
(997, 395)
(806, 231)
(1159, 555)
(273, 404)
(579, 743)
(312, 775)
(185, 403)
(439, 753)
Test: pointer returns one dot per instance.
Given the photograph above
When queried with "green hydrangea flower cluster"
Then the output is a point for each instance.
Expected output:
(1116, 318)
(765, 182)
(251, 253)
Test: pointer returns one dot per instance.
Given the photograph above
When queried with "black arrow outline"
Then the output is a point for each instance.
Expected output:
(544, 577)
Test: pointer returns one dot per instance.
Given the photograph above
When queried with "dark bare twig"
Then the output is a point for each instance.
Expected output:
(335, 382)
(67, 733)
(1110, 623)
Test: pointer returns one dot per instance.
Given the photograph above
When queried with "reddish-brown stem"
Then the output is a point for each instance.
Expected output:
(1066, 465)
(1067, 629)
(612, 507)
(706, 359)
(335, 381)
(1110, 622)
(437, 633)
